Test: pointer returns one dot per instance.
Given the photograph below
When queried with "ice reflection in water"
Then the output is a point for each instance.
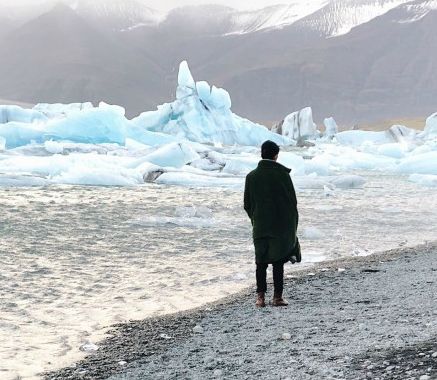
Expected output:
(75, 260)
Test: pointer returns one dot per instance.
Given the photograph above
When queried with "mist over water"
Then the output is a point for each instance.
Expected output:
(75, 260)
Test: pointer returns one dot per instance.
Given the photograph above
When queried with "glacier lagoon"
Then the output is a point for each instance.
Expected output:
(101, 215)
(76, 260)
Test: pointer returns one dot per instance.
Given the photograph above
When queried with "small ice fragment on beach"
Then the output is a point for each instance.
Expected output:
(122, 363)
(341, 270)
(424, 377)
(286, 336)
(89, 347)
(324, 269)
(165, 336)
(311, 274)
(198, 329)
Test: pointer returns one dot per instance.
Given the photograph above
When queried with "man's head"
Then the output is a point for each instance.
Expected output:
(269, 150)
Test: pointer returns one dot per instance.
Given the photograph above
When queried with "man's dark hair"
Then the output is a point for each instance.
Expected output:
(269, 150)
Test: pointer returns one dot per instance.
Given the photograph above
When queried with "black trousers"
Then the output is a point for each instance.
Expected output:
(278, 277)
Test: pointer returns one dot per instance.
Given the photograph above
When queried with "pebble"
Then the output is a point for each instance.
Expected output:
(89, 347)
(434, 355)
(341, 270)
(122, 363)
(218, 372)
(286, 336)
(424, 377)
(198, 329)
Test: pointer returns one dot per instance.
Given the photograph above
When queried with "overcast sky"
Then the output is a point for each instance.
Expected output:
(240, 4)
(168, 4)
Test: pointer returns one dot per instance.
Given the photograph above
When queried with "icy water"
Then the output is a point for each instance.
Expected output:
(74, 260)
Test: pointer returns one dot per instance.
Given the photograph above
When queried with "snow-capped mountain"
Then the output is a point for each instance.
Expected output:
(415, 11)
(340, 16)
(119, 13)
(329, 18)
(273, 17)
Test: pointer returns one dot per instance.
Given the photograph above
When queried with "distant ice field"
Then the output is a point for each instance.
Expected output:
(75, 260)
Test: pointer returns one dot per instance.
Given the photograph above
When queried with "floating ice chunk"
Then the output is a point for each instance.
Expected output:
(93, 126)
(2, 143)
(431, 125)
(173, 155)
(197, 180)
(203, 115)
(348, 182)
(61, 110)
(308, 183)
(357, 138)
(402, 133)
(19, 180)
(316, 166)
(292, 161)
(98, 176)
(299, 125)
(21, 115)
(240, 166)
(425, 163)
(54, 147)
(331, 127)
(394, 150)
(428, 180)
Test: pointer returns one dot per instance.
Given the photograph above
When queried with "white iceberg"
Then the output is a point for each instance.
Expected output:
(331, 127)
(298, 125)
(431, 125)
(21, 115)
(203, 114)
(61, 110)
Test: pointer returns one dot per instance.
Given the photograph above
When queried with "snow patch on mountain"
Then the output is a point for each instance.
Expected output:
(340, 16)
(417, 10)
(273, 17)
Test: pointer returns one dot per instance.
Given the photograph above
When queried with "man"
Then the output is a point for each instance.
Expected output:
(270, 201)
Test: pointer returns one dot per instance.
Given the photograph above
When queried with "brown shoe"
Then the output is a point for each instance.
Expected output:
(278, 300)
(261, 300)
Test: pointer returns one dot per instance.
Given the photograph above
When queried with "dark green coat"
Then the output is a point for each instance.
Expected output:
(270, 201)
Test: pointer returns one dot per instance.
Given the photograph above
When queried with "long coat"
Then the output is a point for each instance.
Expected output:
(270, 201)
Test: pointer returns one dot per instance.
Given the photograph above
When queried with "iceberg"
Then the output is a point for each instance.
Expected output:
(21, 115)
(202, 113)
(61, 110)
(298, 125)
(395, 134)
(331, 127)
(431, 125)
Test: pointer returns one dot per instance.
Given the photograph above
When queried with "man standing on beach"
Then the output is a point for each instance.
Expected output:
(270, 201)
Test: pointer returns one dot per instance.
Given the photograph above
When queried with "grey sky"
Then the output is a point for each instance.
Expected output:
(239, 4)
(168, 4)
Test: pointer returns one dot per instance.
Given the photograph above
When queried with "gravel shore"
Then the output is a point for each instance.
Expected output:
(372, 317)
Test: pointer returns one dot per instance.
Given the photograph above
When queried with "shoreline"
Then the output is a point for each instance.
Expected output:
(130, 346)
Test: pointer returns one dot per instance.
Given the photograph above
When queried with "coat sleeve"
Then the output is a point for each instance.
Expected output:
(247, 201)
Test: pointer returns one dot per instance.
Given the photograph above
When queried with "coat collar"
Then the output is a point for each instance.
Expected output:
(272, 165)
